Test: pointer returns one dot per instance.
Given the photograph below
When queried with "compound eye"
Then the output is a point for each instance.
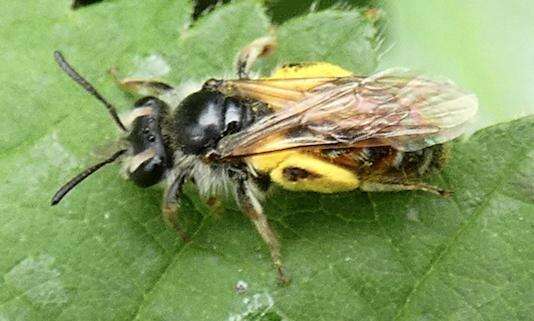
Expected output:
(149, 172)
(150, 160)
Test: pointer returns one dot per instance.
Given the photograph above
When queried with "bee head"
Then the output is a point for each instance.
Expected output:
(151, 158)
(148, 158)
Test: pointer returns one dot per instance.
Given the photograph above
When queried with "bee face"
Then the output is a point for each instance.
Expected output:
(151, 154)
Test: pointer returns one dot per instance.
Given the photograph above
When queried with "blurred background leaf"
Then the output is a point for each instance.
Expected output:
(486, 46)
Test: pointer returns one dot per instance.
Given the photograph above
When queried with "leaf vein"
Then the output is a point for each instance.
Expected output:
(512, 166)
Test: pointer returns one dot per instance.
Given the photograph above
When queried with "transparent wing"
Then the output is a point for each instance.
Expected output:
(393, 108)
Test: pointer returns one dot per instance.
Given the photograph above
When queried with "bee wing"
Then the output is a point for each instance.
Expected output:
(392, 108)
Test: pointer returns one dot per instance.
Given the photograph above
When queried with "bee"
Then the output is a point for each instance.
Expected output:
(308, 127)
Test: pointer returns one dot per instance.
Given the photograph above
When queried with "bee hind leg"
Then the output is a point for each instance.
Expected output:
(252, 208)
(171, 201)
(141, 86)
(396, 187)
(261, 47)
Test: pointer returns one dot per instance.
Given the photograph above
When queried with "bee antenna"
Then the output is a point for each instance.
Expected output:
(67, 68)
(65, 189)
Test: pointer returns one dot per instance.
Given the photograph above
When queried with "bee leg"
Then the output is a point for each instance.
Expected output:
(395, 187)
(170, 205)
(252, 208)
(258, 48)
(141, 86)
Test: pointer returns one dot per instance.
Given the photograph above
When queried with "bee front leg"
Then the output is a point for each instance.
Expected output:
(258, 48)
(252, 208)
(395, 187)
(141, 86)
(171, 202)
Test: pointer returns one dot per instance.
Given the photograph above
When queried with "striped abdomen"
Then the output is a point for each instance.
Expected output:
(388, 164)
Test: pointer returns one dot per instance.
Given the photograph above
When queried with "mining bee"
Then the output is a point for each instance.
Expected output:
(308, 127)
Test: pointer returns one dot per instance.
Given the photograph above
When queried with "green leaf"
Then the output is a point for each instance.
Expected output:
(346, 38)
(105, 254)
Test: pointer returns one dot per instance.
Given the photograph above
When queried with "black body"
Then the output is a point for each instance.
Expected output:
(145, 134)
(155, 136)
(196, 126)
(204, 117)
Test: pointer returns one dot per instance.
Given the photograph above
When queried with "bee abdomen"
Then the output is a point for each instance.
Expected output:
(421, 162)
(387, 161)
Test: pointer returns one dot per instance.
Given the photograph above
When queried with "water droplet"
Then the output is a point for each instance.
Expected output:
(241, 287)
(257, 307)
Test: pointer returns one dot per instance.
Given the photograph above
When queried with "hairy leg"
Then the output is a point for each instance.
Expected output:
(171, 200)
(253, 210)
(258, 48)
